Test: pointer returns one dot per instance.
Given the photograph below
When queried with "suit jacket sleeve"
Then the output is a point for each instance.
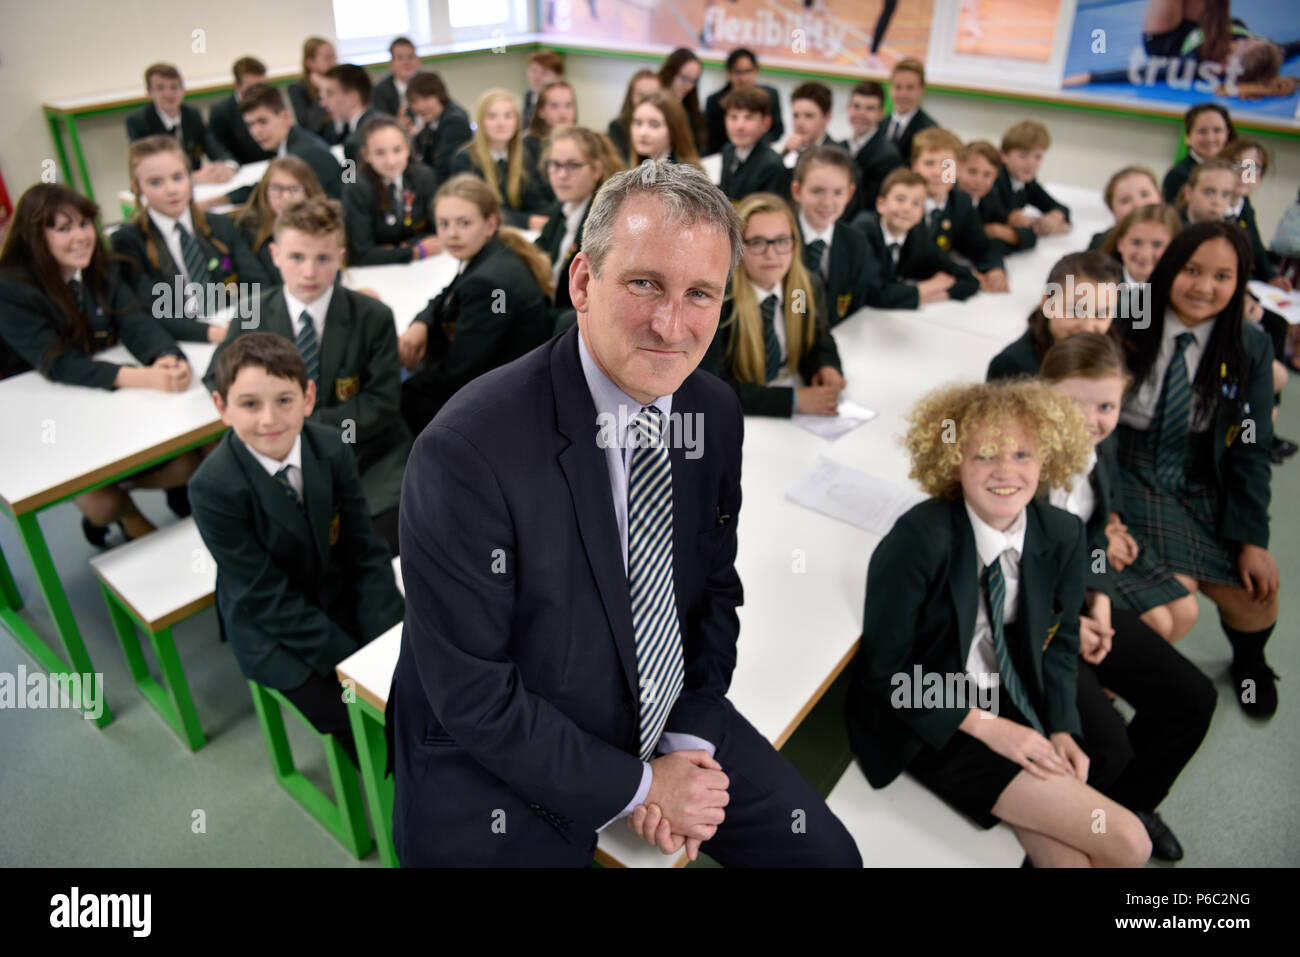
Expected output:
(822, 351)
(375, 406)
(459, 620)
(378, 603)
(359, 214)
(1043, 200)
(1061, 657)
(976, 245)
(479, 330)
(1246, 472)
(455, 134)
(965, 286)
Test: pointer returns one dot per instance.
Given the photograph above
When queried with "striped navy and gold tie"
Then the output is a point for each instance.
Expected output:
(994, 589)
(196, 268)
(1175, 419)
(812, 256)
(771, 345)
(282, 479)
(308, 346)
(661, 669)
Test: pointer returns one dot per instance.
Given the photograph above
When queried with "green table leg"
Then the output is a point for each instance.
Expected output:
(81, 159)
(9, 591)
(64, 623)
(170, 698)
(56, 134)
(372, 750)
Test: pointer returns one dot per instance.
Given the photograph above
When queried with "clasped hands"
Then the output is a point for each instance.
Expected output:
(688, 792)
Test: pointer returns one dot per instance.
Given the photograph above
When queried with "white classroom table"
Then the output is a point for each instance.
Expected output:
(62, 440)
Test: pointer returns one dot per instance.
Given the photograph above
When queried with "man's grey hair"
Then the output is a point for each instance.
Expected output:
(686, 193)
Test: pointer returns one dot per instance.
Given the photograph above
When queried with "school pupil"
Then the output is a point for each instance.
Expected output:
(302, 579)
(225, 118)
(1134, 765)
(985, 581)
(660, 130)
(345, 91)
(556, 106)
(1207, 127)
(271, 125)
(1251, 161)
(978, 169)
(544, 66)
(444, 124)
(904, 269)
(578, 161)
(387, 208)
(742, 72)
(288, 180)
(390, 93)
(821, 190)
(305, 92)
(1023, 147)
(1140, 238)
(680, 76)
(1126, 190)
(1194, 440)
(950, 216)
(773, 344)
(906, 119)
(349, 344)
(1081, 295)
(874, 154)
(1210, 189)
(494, 311)
(748, 165)
(165, 114)
(639, 88)
(496, 155)
(171, 244)
(810, 114)
(63, 301)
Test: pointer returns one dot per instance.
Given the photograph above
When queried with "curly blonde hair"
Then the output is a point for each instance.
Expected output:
(944, 421)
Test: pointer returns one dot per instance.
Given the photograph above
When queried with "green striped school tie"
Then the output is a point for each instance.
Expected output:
(282, 479)
(308, 346)
(994, 589)
(771, 346)
(1175, 415)
(812, 256)
(196, 268)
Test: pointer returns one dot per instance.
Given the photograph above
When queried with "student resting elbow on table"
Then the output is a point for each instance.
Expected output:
(496, 156)
(978, 169)
(978, 589)
(172, 244)
(1017, 186)
(61, 302)
(492, 312)
(773, 325)
(387, 208)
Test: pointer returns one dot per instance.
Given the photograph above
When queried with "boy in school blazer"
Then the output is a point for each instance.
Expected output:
(1017, 186)
(302, 579)
(822, 187)
(446, 124)
(742, 71)
(906, 119)
(270, 123)
(345, 91)
(166, 90)
(748, 165)
(909, 280)
(874, 154)
(357, 380)
(390, 93)
(226, 121)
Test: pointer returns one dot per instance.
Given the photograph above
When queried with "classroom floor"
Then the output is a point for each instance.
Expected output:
(133, 795)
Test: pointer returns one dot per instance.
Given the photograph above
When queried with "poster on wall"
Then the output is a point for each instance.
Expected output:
(1244, 54)
(1000, 44)
(856, 37)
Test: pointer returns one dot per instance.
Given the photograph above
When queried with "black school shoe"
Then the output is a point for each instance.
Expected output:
(1282, 450)
(178, 500)
(1164, 845)
(1264, 684)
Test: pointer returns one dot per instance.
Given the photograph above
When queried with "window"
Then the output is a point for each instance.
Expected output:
(477, 13)
(366, 27)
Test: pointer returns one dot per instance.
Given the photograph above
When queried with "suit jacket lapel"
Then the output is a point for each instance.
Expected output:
(583, 464)
(963, 582)
(337, 334)
(271, 495)
(320, 513)
(1034, 593)
(166, 264)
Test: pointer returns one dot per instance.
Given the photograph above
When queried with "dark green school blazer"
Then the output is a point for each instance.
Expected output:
(1016, 360)
(315, 152)
(490, 314)
(352, 141)
(761, 172)
(920, 120)
(359, 379)
(1099, 239)
(1104, 479)
(236, 266)
(32, 328)
(248, 229)
(992, 208)
(533, 167)
(846, 284)
(765, 399)
(1032, 195)
(1262, 266)
(311, 116)
(876, 160)
(1176, 178)
(297, 590)
(374, 222)
(922, 594)
(533, 202)
(919, 259)
(435, 147)
(958, 227)
(227, 125)
(197, 140)
(548, 241)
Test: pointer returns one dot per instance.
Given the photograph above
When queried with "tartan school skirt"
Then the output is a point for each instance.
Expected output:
(1175, 530)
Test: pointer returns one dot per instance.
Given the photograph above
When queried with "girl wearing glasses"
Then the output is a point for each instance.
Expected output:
(288, 180)
(773, 344)
(577, 161)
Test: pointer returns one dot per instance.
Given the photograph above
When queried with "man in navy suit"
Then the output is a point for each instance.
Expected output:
(568, 536)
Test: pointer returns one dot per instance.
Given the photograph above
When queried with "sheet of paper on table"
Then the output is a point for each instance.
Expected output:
(1285, 304)
(853, 496)
(850, 416)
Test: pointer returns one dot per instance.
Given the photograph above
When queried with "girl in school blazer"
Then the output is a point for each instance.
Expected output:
(660, 130)
(578, 161)
(973, 694)
(1194, 436)
(556, 106)
(766, 368)
(642, 84)
(166, 224)
(1207, 128)
(387, 209)
(288, 180)
(1135, 765)
(1140, 238)
(62, 300)
(496, 155)
(1126, 190)
(304, 93)
(491, 313)
(1091, 309)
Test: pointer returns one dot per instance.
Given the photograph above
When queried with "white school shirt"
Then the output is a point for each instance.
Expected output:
(167, 226)
(1142, 407)
(1081, 500)
(317, 310)
(856, 143)
(293, 460)
(990, 545)
(902, 119)
(778, 321)
(810, 235)
(573, 213)
(891, 239)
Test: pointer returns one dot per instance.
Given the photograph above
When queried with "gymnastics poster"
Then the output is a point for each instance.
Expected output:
(856, 37)
(1244, 54)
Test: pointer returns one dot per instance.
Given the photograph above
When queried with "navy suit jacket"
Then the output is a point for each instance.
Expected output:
(514, 703)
